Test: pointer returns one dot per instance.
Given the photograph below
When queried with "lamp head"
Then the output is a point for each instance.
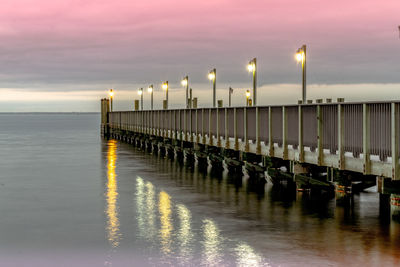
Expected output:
(299, 55)
(111, 93)
(251, 66)
(211, 75)
(184, 81)
(140, 92)
(164, 86)
(150, 89)
(247, 93)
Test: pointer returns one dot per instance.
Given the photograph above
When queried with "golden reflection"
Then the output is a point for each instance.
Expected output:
(150, 210)
(185, 234)
(145, 207)
(212, 244)
(165, 219)
(246, 256)
(112, 196)
(140, 205)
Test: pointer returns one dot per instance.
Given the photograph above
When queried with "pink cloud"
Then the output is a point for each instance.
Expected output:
(66, 41)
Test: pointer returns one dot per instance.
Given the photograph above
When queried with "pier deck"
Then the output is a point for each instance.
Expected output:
(358, 137)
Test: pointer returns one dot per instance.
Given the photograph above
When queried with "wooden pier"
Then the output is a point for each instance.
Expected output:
(341, 145)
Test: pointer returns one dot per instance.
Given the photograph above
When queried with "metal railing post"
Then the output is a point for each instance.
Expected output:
(202, 126)
(184, 125)
(319, 136)
(258, 143)
(366, 140)
(226, 129)
(170, 135)
(395, 141)
(180, 125)
(175, 131)
(190, 126)
(341, 160)
(197, 126)
(235, 129)
(210, 138)
(246, 140)
(270, 141)
(300, 135)
(284, 133)
(218, 137)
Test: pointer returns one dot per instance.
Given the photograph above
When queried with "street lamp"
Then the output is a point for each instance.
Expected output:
(185, 83)
(212, 76)
(111, 93)
(230, 95)
(247, 97)
(150, 90)
(164, 86)
(252, 67)
(140, 92)
(301, 56)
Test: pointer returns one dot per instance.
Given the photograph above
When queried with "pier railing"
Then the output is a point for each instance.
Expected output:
(361, 137)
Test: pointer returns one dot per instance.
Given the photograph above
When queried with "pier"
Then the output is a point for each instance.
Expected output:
(339, 148)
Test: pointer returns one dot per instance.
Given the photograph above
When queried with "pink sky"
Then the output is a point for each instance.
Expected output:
(62, 45)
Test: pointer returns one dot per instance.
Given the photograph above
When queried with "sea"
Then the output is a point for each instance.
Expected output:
(71, 198)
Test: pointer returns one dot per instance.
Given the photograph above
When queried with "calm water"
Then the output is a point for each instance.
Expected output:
(68, 198)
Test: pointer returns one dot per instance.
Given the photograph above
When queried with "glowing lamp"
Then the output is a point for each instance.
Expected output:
(299, 57)
(184, 82)
(251, 67)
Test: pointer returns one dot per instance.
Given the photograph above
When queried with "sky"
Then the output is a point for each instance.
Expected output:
(64, 55)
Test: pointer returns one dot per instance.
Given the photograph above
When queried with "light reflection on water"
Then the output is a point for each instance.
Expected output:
(246, 256)
(166, 228)
(112, 196)
(177, 245)
(180, 221)
(140, 207)
(185, 234)
(212, 244)
(150, 211)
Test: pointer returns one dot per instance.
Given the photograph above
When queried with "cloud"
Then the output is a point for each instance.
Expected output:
(74, 44)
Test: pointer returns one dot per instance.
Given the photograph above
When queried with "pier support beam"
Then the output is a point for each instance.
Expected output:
(390, 188)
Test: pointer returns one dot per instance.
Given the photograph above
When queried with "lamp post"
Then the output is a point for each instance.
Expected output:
(185, 83)
(164, 86)
(301, 56)
(212, 76)
(247, 97)
(140, 92)
(230, 95)
(252, 67)
(150, 90)
(111, 93)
